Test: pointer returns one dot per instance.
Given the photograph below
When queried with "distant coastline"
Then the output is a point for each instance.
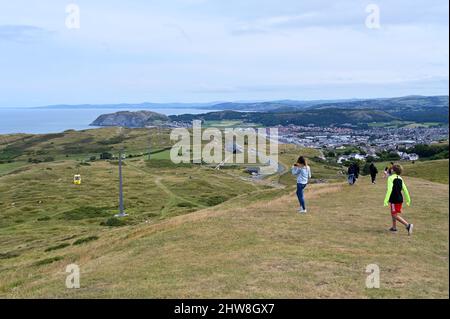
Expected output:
(56, 120)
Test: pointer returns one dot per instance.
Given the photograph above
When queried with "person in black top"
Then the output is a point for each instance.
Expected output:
(351, 174)
(373, 172)
(394, 198)
(356, 165)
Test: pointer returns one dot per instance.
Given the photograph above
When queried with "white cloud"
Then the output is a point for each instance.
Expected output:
(189, 50)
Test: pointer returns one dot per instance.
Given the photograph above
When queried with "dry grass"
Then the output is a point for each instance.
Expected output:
(263, 249)
(174, 245)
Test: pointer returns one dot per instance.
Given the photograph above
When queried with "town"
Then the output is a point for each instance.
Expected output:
(370, 141)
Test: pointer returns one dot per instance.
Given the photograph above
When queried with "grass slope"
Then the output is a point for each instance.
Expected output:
(198, 232)
(434, 171)
(259, 249)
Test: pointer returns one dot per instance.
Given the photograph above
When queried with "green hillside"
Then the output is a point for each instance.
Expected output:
(198, 232)
(434, 171)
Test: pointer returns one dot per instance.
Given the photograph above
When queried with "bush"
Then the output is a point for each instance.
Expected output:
(9, 254)
(48, 260)
(85, 240)
(215, 200)
(385, 156)
(166, 164)
(438, 151)
(85, 212)
(113, 140)
(113, 222)
(34, 160)
(106, 156)
(60, 246)
(186, 205)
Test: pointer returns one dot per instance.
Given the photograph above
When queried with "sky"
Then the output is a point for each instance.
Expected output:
(215, 50)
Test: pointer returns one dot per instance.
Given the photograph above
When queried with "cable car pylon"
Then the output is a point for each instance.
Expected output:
(121, 209)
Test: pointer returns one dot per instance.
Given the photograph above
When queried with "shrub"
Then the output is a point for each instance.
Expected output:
(85, 212)
(433, 151)
(215, 200)
(48, 260)
(9, 254)
(186, 204)
(60, 246)
(105, 156)
(84, 240)
(113, 222)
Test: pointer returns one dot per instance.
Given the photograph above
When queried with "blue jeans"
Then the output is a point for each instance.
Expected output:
(301, 198)
(351, 179)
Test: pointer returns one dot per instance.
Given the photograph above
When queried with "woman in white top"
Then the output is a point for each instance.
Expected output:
(303, 173)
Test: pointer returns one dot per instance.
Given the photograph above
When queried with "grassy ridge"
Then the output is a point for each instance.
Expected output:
(262, 250)
(198, 232)
(434, 171)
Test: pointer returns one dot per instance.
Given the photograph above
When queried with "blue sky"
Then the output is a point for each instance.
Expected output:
(216, 50)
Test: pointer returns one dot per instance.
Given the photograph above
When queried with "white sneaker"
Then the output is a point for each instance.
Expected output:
(302, 211)
(410, 229)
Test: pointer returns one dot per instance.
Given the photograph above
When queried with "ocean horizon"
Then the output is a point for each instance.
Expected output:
(51, 120)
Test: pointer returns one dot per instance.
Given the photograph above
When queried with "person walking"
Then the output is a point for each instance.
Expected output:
(351, 171)
(396, 188)
(373, 172)
(303, 173)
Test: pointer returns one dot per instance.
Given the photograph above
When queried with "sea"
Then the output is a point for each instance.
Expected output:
(54, 120)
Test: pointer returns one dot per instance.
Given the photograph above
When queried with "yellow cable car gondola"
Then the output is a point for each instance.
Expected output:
(77, 179)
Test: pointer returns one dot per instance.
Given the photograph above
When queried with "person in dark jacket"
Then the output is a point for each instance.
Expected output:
(351, 174)
(356, 170)
(373, 172)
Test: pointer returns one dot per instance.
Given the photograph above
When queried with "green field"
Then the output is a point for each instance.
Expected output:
(405, 124)
(10, 167)
(229, 124)
(434, 171)
(194, 231)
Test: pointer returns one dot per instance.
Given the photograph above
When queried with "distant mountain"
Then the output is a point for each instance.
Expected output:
(320, 117)
(355, 112)
(139, 106)
(416, 107)
(408, 108)
(412, 102)
(131, 119)
(270, 105)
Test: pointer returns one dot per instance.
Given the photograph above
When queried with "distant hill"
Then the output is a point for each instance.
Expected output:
(355, 112)
(319, 117)
(407, 103)
(131, 119)
(271, 105)
(139, 106)
(408, 108)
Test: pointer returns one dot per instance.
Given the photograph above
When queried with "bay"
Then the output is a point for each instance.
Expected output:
(41, 120)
